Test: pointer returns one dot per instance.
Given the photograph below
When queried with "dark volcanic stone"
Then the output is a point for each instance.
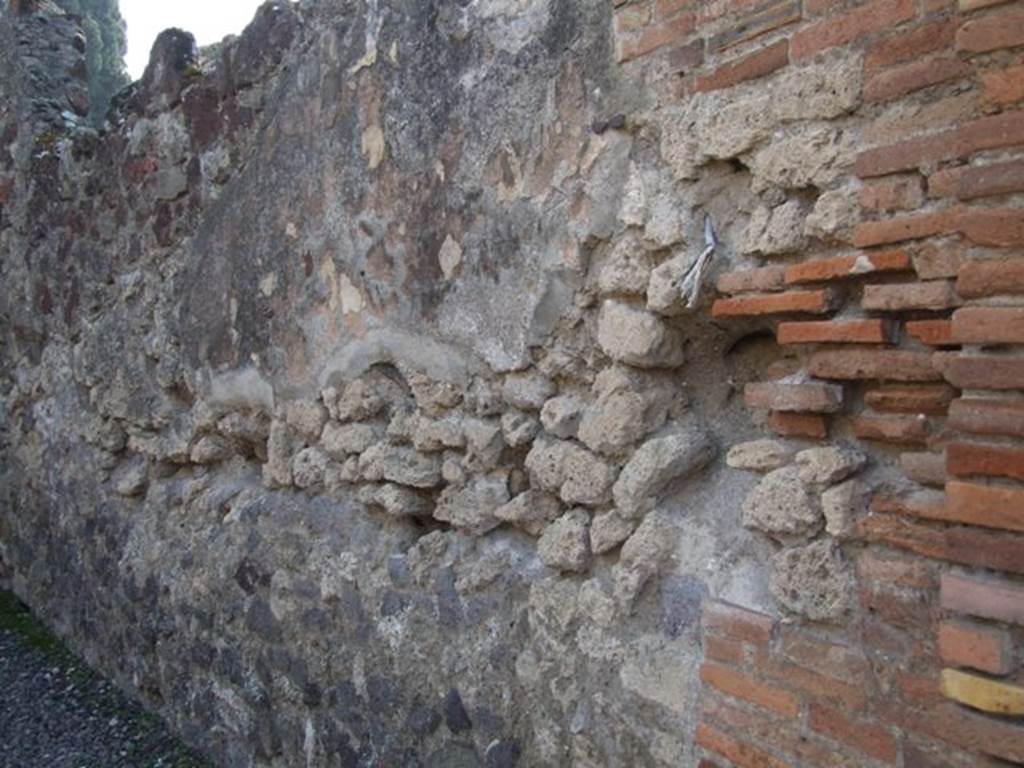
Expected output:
(455, 713)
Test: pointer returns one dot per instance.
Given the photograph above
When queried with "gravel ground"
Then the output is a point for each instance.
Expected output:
(56, 713)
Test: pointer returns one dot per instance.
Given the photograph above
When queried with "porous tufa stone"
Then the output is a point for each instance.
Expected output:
(827, 465)
(782, 506)
(565, 543)
(656, 465)
(813, 581)
(632, 335)
(759, 455)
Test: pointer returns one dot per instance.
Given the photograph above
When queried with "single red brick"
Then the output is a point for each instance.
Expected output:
(967, 459)
(898, 81)
(838, 30)
(784, 736)
(907, 155)
(943, 183)
(914, 227)
(898, 297)
(750, 67)
(738, 752)
(987, 417)
(981, 371)
(934, 333)
(979, 279)
(809, 397)
(724, 650)
(6, 188)
(957, 544)
(925, 468)
(823, 657)
(889, 571)
(790, 302)
(908, 430)
(892, 194)
(820, 687)
(974, 5)
(991, 32)
(986, 505)
(657, 36)
(999, 228)
(751, 280)
(929, 505)
(741, 686)
(756, 23)
(934, 260)
(737, 623)
(994, 132)
(993, 179)
(982, 597)
(966, 644)
(989, 325)
(1002, 86)
(921, 398)
(809, 425)
(868, 738)
(911, 45)
(836, 331)
(841, 267)
(877, 364)
(970, 731)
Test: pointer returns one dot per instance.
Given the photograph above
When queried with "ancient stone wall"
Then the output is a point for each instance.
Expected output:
(366, 401)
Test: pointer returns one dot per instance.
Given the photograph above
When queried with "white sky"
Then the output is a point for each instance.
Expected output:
(208, 20)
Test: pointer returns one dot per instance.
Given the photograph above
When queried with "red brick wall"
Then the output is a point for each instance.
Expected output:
(925, 369)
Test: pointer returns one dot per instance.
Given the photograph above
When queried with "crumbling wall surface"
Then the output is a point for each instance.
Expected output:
(352, 412)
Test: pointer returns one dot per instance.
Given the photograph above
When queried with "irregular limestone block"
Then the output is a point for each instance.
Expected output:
(308, 467)
(565, 543)
(829, 464)
(484, 444)
(400, 464)
(472, 507)
(395, 500)
(210, 449)
(659, 463)
(783, 506)
(608, 530)
(843, 505)
(664, 292)
(528, 390)
(631, 335)
(586, 479)
(776, 231)
(530, 511)
(280, 449)
(357, 402)
(438, 434)
(571, 471)
(643, 554)
(519, 428)
(561, 415)
(627, 270)
(813, 581)
(306, 417)
(759, 455)
(342, 440)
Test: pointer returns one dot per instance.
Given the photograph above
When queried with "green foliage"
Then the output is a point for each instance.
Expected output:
(106, 45)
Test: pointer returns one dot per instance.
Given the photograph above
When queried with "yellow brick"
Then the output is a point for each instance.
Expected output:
(982, 693)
